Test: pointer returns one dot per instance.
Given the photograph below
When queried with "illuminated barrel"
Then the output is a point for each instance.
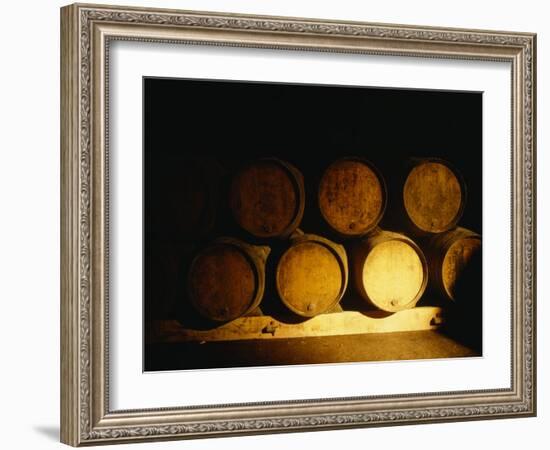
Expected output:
(389, 271)
(226, 280)
(452, 257)
(434, 195)
(312, 275)
(267, 198)
(352, 196)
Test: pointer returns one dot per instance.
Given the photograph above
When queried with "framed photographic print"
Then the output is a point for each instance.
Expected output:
(278, 224)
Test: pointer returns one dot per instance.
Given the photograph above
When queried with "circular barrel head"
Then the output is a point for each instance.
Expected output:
(433, 196)
(222, 282)
(352, 197)
(393, 275)
(310, 278)
(267, 199)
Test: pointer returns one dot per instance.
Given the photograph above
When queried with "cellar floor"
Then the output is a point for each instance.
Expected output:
(426, 344)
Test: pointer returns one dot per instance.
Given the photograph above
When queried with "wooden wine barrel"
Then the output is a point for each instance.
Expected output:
(227, 279)
(389, 271)
(267, 198)
(450, 255)
(182, 196)
(434, 195)
(312, 275)
(352, 196)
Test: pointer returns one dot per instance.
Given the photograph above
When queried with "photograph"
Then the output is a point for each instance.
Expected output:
(304, 224)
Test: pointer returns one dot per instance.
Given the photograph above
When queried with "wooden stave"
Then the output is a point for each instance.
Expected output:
(339, 233)
(297, 181)
(256, 255)
(337, 250)
(397, 217)
(362, 249)
(410, 225)
(437, 248)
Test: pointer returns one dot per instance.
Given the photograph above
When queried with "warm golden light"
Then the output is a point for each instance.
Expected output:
(309, 278)
(393, 274)
(432, 196)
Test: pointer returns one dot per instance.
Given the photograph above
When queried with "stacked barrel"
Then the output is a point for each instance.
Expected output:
(390, 263)
(434, 199)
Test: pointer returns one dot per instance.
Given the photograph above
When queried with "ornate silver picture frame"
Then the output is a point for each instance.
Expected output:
(87, 32)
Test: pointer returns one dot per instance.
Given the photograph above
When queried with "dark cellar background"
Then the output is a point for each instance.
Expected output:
(224, 124)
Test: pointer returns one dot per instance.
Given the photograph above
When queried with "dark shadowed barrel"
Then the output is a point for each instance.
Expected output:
(352, 196)
(226, 279)
(434, 195)
(451, 256)
(312, 275)
(389, 271)
(267, 198)
(182, 196)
